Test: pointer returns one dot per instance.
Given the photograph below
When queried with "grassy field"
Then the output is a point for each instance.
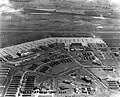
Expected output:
(16, 29)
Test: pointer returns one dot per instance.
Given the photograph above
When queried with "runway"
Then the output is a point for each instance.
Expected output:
(17, 29)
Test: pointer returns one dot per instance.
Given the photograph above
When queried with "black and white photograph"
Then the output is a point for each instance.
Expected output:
(59, 48)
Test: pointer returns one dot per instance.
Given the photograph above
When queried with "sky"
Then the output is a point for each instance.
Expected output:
(11, 9)
(4, 2)
(117, 2)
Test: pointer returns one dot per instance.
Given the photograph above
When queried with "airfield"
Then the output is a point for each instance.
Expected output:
(61, 53)
(59, 67)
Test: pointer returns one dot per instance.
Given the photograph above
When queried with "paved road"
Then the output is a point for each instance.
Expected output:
(92, 74)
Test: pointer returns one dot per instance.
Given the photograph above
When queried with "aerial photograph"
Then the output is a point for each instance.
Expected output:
(59, 48)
